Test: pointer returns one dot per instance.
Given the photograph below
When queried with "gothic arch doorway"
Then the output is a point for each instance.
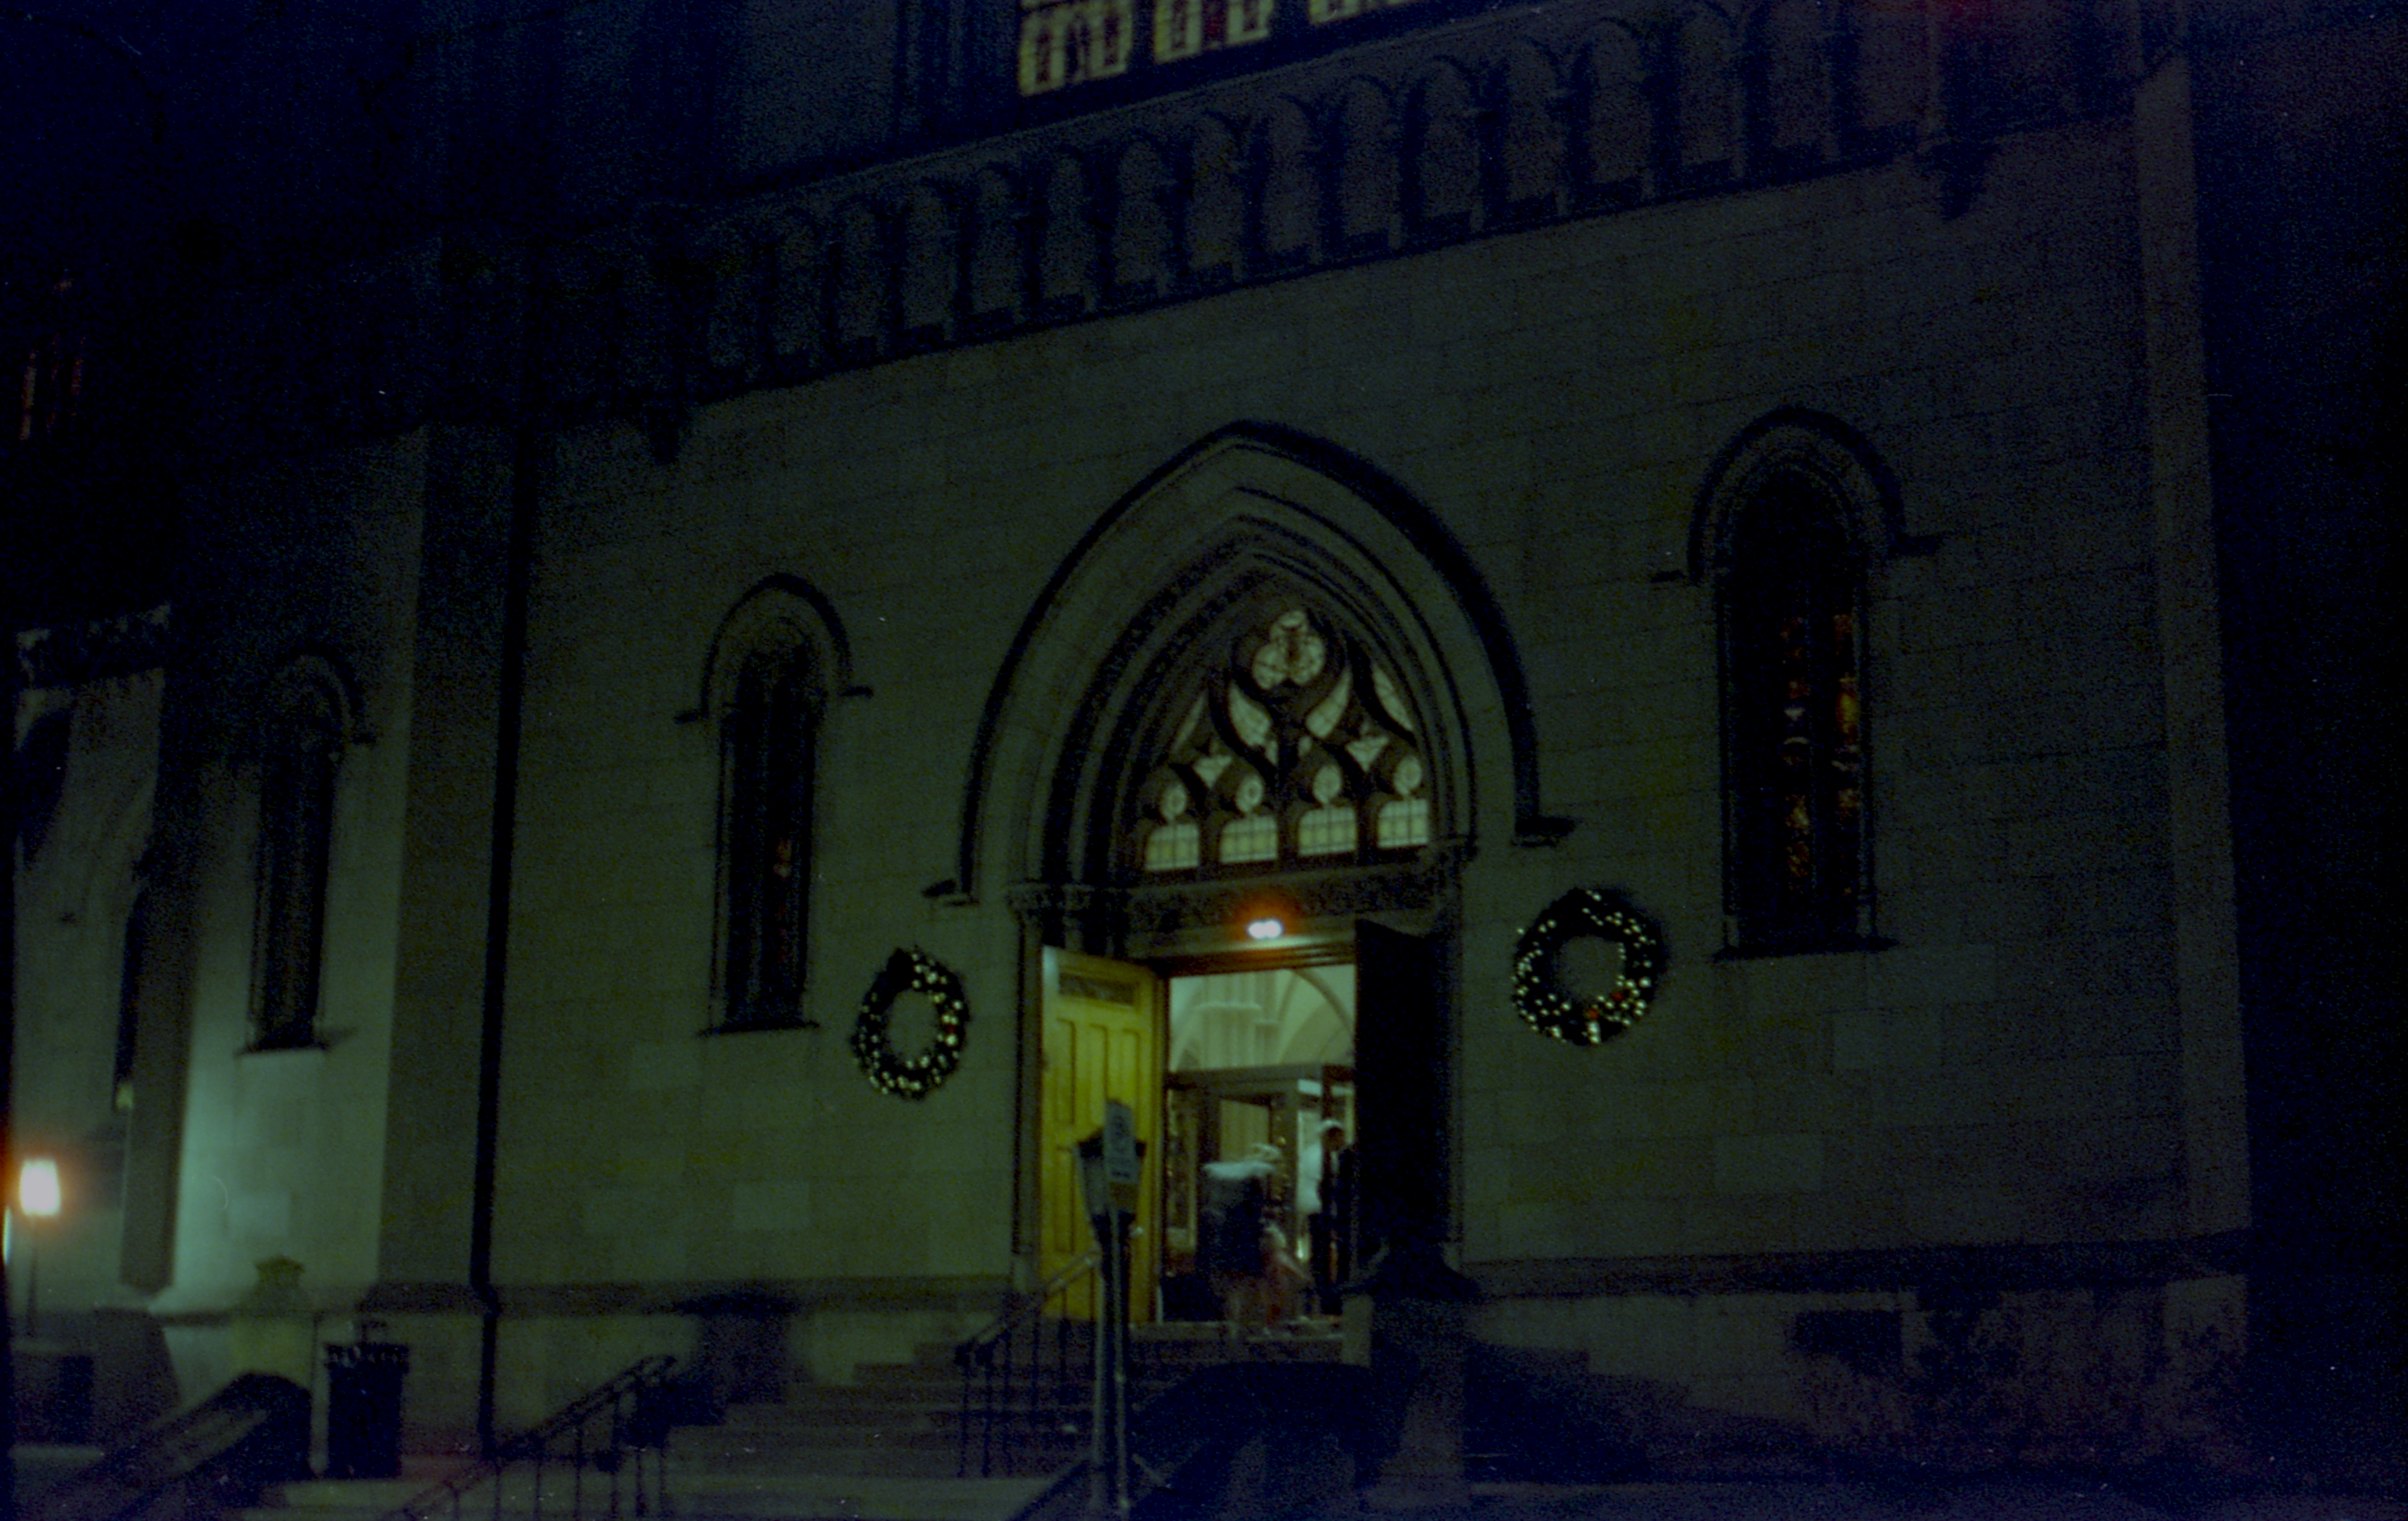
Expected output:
(1266, 690)
(1270, 793)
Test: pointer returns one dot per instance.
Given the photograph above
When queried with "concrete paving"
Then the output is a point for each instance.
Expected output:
(1985, 1500)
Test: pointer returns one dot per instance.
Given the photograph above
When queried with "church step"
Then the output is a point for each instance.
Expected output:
(769, 1436)
(370, 1500)
(923, 1459)
(864, 1497)
(862, 1481)
(885, 1448)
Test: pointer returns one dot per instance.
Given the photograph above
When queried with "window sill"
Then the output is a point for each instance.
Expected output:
(284, 1048)
(1836, 945)
(304, 1052)
(751, 1027)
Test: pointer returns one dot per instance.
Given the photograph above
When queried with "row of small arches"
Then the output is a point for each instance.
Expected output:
(1568, 110)
(1363, 166)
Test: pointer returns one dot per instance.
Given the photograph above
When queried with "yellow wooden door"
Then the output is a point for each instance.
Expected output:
(1103, 1040)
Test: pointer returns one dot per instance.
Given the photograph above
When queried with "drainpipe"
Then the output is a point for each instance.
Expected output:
(526, 481)
(7, 1018)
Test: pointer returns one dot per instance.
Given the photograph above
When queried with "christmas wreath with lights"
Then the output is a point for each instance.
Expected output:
(1585, 913)
(912, 1077)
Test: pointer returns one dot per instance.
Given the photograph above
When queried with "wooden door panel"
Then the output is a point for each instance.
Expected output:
(1102, 1022)
(1404, 1055)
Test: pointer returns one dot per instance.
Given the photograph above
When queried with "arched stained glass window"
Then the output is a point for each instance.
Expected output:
(51, 396)
(302, 735)
(1790, 598)
(768, 748)
(1291, 746)
(1064, 43)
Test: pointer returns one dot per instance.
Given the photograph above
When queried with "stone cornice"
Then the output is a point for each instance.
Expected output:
(1517, 119)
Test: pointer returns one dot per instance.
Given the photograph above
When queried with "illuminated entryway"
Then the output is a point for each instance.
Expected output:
(1228, 779)
(1220, 1067)
(1276, 757)
(1261, 1061)
(1247, 1057)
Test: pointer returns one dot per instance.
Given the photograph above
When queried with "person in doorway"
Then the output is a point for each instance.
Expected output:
(1328, 1204)
(1233, 1216)
(1287, 1284)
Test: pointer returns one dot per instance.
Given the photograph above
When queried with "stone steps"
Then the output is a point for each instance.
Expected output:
(886, 1447)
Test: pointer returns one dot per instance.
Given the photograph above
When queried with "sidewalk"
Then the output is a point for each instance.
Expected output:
(1790, 1499)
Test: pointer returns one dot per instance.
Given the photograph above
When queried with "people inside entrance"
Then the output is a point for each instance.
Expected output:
(1233, 1221)
(1258, 1275)
(1325, 1185)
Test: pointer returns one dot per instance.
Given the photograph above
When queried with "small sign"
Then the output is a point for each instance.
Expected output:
(1120, 1144)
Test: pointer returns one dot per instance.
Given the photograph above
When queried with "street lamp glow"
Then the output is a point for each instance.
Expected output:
(37, 1187)
(1265, 929)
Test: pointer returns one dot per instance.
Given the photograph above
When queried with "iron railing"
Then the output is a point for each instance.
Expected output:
(207, 1462)
(609, 1443)
(1047, 1381)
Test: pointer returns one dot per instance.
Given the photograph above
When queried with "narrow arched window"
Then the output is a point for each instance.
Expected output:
(301, 736)
(1790, 597)
(50, 395)
(768, 739)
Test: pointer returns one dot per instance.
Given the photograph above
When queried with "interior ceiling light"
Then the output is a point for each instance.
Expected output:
(37, 1187)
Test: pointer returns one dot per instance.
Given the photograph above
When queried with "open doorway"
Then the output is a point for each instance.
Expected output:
(1259, 1109)
(1242, 1061)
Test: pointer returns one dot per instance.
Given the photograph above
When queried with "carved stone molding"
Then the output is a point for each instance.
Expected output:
(1496, 122)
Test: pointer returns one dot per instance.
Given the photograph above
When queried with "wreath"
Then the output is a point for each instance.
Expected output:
(1585, 913)
(912, 1077)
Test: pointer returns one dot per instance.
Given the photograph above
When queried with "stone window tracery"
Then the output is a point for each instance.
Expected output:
(1294, 747)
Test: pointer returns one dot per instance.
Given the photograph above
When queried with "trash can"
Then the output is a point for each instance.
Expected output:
(364, 1409)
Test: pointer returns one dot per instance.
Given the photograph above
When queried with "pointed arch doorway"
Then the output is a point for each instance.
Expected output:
(1266, 673)
(1272, 789)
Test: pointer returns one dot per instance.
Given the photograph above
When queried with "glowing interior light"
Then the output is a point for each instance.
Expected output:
(37, 1187)
(1265, 929)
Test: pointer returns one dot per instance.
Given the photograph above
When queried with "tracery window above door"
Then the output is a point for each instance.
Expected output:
(1292, 746)
(1071, 42)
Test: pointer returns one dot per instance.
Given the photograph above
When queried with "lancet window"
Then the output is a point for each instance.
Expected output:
(768, 744)
(51, 377)
(1790, 599)
(1293, 746)
(303, 736)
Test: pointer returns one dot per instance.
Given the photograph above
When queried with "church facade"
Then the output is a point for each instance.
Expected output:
(1624, 602)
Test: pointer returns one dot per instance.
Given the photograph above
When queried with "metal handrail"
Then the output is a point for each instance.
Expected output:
(214, 1457)
(992, 1349)
(635, 1403)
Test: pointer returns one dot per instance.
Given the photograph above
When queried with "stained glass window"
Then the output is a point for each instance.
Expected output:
(1293, 745)
(767, 740)
(1790, 595)
(303, 739)
(1071, 42)
(1067, 42)
(51, 379)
